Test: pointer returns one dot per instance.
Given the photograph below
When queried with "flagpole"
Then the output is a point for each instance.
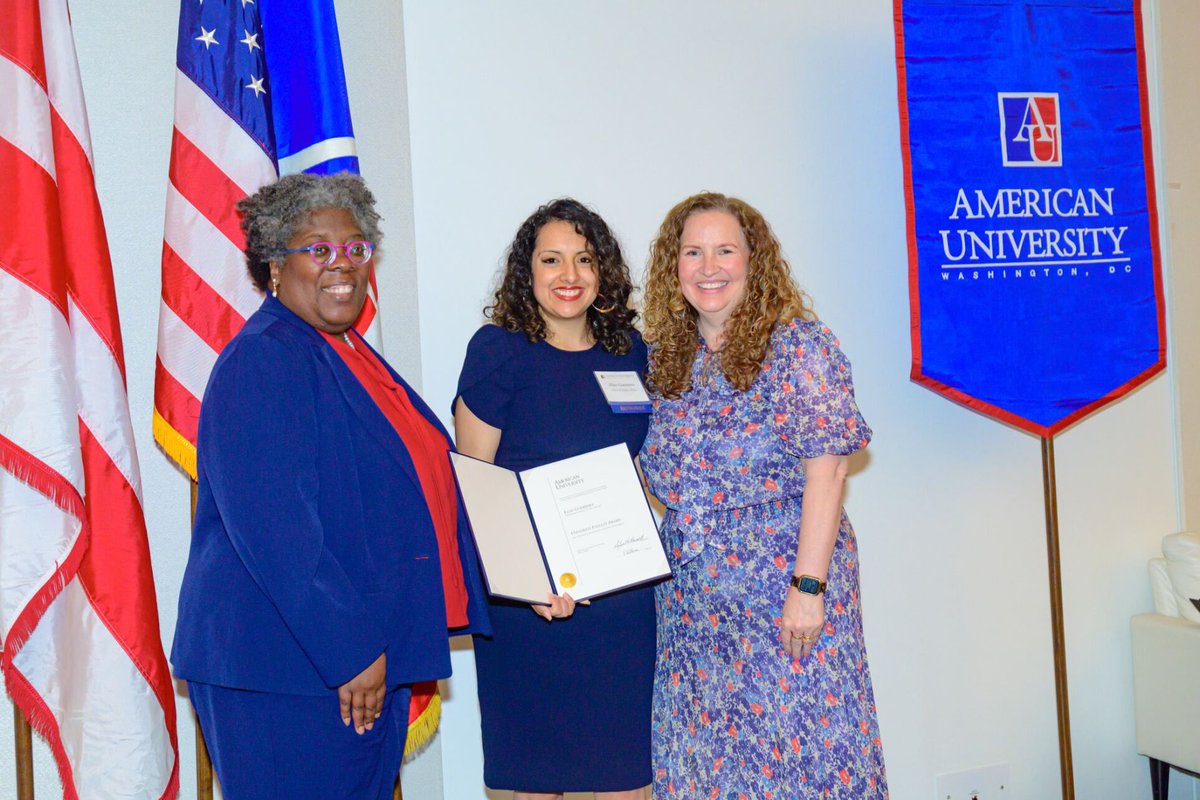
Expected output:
(204, 770)
(23, 748)
(1053, 559)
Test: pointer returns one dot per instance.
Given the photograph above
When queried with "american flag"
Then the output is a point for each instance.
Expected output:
(259, 92)
(82, 657)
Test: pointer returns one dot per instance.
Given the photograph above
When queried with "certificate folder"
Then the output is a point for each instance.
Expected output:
(580, 526)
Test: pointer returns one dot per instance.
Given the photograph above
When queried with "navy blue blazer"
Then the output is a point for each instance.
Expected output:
(313, 550)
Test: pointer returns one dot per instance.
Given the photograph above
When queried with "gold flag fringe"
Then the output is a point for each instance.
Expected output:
(175, 445)
(421, 731)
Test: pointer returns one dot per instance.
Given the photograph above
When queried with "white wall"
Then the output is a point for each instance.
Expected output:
(631, 106)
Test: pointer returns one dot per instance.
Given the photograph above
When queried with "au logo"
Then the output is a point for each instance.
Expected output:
(1030, 132)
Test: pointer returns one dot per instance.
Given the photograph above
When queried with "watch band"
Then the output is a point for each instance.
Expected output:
(808, 584)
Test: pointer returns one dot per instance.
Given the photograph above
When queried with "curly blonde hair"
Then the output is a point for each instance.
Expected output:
(771, 296)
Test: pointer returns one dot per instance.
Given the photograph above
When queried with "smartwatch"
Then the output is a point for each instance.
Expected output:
(808, 584)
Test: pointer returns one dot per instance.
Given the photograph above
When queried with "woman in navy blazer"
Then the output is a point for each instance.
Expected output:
(330, 553)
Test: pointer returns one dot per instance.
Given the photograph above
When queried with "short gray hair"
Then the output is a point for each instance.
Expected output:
(270, 215)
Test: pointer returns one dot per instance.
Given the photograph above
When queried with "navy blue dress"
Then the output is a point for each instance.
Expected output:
(565, 706)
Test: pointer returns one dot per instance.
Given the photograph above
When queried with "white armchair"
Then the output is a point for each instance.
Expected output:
(1166, 664)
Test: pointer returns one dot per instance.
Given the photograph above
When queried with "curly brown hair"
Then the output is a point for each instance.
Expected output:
(514, 307)
(771, 296)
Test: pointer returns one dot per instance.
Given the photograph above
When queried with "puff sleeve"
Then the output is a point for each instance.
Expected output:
(817, 413)
(485, 385)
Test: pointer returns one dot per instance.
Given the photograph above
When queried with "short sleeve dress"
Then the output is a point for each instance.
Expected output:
(564, 705)
(734, 715)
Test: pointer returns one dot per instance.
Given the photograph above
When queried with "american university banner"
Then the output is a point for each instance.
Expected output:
(1034, 277)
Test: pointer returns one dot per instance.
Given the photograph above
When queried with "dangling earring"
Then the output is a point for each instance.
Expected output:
(611, 307)
(275, 287)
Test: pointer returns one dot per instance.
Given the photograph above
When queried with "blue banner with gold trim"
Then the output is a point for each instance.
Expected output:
(1034, 277)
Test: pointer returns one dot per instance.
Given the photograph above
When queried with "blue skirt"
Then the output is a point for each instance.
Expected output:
(267, 746)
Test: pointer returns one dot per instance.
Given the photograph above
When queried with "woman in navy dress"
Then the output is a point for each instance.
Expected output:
(564, 693)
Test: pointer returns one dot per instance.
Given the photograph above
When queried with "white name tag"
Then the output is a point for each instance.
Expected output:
(624, 392)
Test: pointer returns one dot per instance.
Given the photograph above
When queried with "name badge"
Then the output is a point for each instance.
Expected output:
(624, 392)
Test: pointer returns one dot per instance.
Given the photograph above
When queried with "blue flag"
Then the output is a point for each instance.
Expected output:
(1034, 277)
(311, 109)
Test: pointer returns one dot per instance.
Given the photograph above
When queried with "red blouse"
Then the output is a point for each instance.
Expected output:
(428, 448)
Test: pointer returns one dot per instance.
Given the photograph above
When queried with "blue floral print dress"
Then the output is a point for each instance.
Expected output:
(735, 717)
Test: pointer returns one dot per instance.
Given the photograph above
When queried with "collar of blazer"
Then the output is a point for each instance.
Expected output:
(357, 397)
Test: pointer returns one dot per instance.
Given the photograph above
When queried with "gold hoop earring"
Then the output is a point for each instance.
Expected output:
(602, 309)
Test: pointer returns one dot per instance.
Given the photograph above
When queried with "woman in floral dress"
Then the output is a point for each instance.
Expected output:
(761, 685)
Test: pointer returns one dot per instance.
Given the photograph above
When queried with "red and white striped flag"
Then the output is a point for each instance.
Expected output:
(82, 655)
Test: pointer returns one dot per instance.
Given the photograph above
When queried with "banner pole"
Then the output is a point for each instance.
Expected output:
(1062, 703)
(23, 747)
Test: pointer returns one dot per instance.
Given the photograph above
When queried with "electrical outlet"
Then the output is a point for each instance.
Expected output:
(981, 783)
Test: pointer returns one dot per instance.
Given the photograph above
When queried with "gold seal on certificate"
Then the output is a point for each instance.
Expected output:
(566, 580)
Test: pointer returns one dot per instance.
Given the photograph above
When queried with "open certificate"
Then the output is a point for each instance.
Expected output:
(581, 525)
